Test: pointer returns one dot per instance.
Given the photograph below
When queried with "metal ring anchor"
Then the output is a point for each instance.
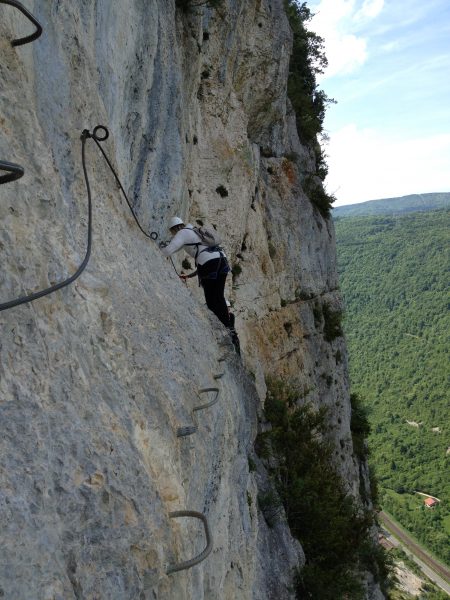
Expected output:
(13, 171)
(187, 564)
(100, 138)
(30, 17)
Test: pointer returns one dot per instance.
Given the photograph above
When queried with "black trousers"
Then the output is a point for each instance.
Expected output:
(213, 283)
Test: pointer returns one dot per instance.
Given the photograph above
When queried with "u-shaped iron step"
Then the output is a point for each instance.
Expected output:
(28, 38)
(187, 564)
(190, 429)
(13, 171)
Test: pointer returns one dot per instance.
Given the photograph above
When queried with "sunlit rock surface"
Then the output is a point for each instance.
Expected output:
(96, 379)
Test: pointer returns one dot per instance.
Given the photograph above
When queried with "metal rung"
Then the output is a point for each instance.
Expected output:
(29, 16)
(218, 375)
(187, 430)
(187, 564)
(190, 429)
(208, 404)
(13, 171)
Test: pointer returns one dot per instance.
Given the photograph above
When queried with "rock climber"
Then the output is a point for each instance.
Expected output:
(211, 265)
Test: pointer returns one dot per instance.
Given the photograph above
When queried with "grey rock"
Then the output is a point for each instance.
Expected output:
(96, 379)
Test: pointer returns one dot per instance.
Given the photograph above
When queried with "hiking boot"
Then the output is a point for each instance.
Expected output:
(235, 340)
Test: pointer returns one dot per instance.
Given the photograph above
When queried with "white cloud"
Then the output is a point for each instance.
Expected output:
(365, 164)
(391, 46)
(408, 150)
(345, 54)
(334, 21)
(370, 9)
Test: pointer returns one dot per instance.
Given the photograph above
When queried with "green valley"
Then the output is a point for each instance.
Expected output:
(394, 274)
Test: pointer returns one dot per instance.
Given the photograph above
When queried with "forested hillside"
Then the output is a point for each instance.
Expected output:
(395, 206)
(394, 274)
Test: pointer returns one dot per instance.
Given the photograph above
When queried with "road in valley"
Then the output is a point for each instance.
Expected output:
(436, 571)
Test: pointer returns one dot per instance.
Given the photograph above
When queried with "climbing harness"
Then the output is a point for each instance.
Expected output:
(209, 543)
(65, 282)
(208, 238)
(29, 16)
(13, 171)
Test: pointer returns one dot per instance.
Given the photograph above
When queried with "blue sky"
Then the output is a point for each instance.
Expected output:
(389, 70)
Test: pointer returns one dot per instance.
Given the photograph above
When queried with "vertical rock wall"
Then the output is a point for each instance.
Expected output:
(96, 378)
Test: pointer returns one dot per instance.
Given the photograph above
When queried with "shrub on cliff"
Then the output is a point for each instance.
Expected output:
(359, 426)
(309, 102)
(307, 60)
(332, 327)
(333, 530)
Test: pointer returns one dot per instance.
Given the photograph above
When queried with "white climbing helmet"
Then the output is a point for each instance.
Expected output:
(174, 221)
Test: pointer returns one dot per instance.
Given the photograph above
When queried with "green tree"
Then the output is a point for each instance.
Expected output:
(308, 101)
(394, 278)
(333, 531)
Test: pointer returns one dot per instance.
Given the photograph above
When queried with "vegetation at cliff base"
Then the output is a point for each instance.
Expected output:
(429, 591)
(332, 529)
(394, 274)
(308, 101)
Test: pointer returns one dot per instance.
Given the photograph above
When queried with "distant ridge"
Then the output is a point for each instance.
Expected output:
(395, 206)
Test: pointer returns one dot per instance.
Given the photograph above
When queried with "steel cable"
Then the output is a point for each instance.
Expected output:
(69, 280)
(30, 17)
(16, 171)
(13, 171)
(97, 139)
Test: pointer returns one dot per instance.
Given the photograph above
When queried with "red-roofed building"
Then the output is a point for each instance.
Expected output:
(430, 502)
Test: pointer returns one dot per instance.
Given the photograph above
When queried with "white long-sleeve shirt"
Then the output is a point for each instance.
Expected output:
(188, 236)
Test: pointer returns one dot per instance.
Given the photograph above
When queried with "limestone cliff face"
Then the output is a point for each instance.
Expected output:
(95, 379)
